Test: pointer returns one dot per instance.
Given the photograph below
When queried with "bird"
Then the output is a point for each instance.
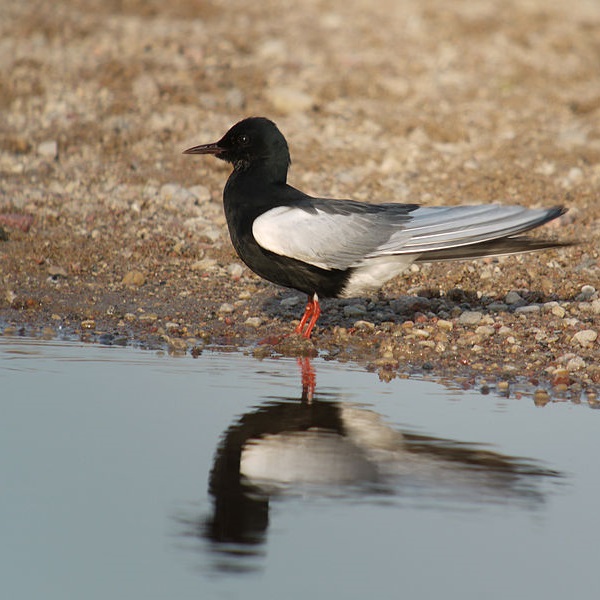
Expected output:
(337, 248)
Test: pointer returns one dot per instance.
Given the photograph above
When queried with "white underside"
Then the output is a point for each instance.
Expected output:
(374, 272)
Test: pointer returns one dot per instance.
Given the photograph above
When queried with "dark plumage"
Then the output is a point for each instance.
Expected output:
(341, 248)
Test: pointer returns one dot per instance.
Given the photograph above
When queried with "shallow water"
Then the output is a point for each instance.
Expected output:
(120, 476)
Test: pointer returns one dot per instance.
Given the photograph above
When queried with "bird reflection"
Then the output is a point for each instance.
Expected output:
(323, 446)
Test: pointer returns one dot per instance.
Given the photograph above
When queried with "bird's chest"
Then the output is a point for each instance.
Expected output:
(243, 202)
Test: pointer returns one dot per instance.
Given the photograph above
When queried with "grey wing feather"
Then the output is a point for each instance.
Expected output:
(435, 229)
(337, 234)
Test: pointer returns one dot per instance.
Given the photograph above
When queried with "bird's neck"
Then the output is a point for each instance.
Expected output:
(267, 170)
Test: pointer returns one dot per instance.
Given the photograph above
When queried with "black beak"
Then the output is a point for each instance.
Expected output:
(205, 149)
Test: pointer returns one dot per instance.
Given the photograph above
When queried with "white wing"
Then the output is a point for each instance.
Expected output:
(336, 237)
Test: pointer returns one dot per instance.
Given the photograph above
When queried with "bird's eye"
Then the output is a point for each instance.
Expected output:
(243, 139)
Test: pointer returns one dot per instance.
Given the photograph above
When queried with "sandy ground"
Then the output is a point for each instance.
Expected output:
(110, 234)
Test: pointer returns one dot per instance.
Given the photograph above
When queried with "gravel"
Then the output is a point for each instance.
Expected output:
(108, 233)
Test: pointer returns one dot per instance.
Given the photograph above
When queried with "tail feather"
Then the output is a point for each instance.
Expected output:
(499, 247)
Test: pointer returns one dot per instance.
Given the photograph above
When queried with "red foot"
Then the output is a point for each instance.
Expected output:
(311, 314)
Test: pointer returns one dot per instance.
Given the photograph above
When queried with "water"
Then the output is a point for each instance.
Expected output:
(120, 478)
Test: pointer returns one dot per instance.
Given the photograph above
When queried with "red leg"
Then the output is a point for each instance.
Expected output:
(312, 312)
(307, 313)
(316, 311)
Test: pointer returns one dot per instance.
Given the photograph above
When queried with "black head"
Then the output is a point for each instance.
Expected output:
(253, 142)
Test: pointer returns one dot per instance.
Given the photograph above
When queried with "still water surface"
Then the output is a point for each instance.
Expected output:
(134, 475)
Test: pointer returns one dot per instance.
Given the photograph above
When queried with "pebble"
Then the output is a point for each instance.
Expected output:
(445, 325)
(48, 333)
(48, 149)
(355, 310)
(235, 270)
(88, 324)
(147, 318)
(485, 330)
(134, 278)
(576, 363)
(528, 309)
(291, 301)
(558, 311)
(588, 290)
(255, 322)
(470, 317)
(420, 333)
(364, 325)
(585, 337)
(176, 345)
(206, 264)
(498, 307)
(596, 307)
(226, 308)
(513, 298)
(541, 397)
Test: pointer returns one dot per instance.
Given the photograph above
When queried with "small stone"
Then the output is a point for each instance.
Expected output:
(498, 307)
(88, 324)
(576, 363)
(558, 311)
(206, 264)
(470, 317)
(485, 330)
(148, 317)
(445, 325)
(588, 290)
(541, 397)
(176, 345)
(235, 270)
(420, 333)
(560, 377)
(585, 337)
(134, 278)
(364, 326)
(255, 322)
(226, 308)
(502, 385)
(527, 309)
(355, 310)
(513, 298)
(48, 149)
(596, 307)
(290, 302)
